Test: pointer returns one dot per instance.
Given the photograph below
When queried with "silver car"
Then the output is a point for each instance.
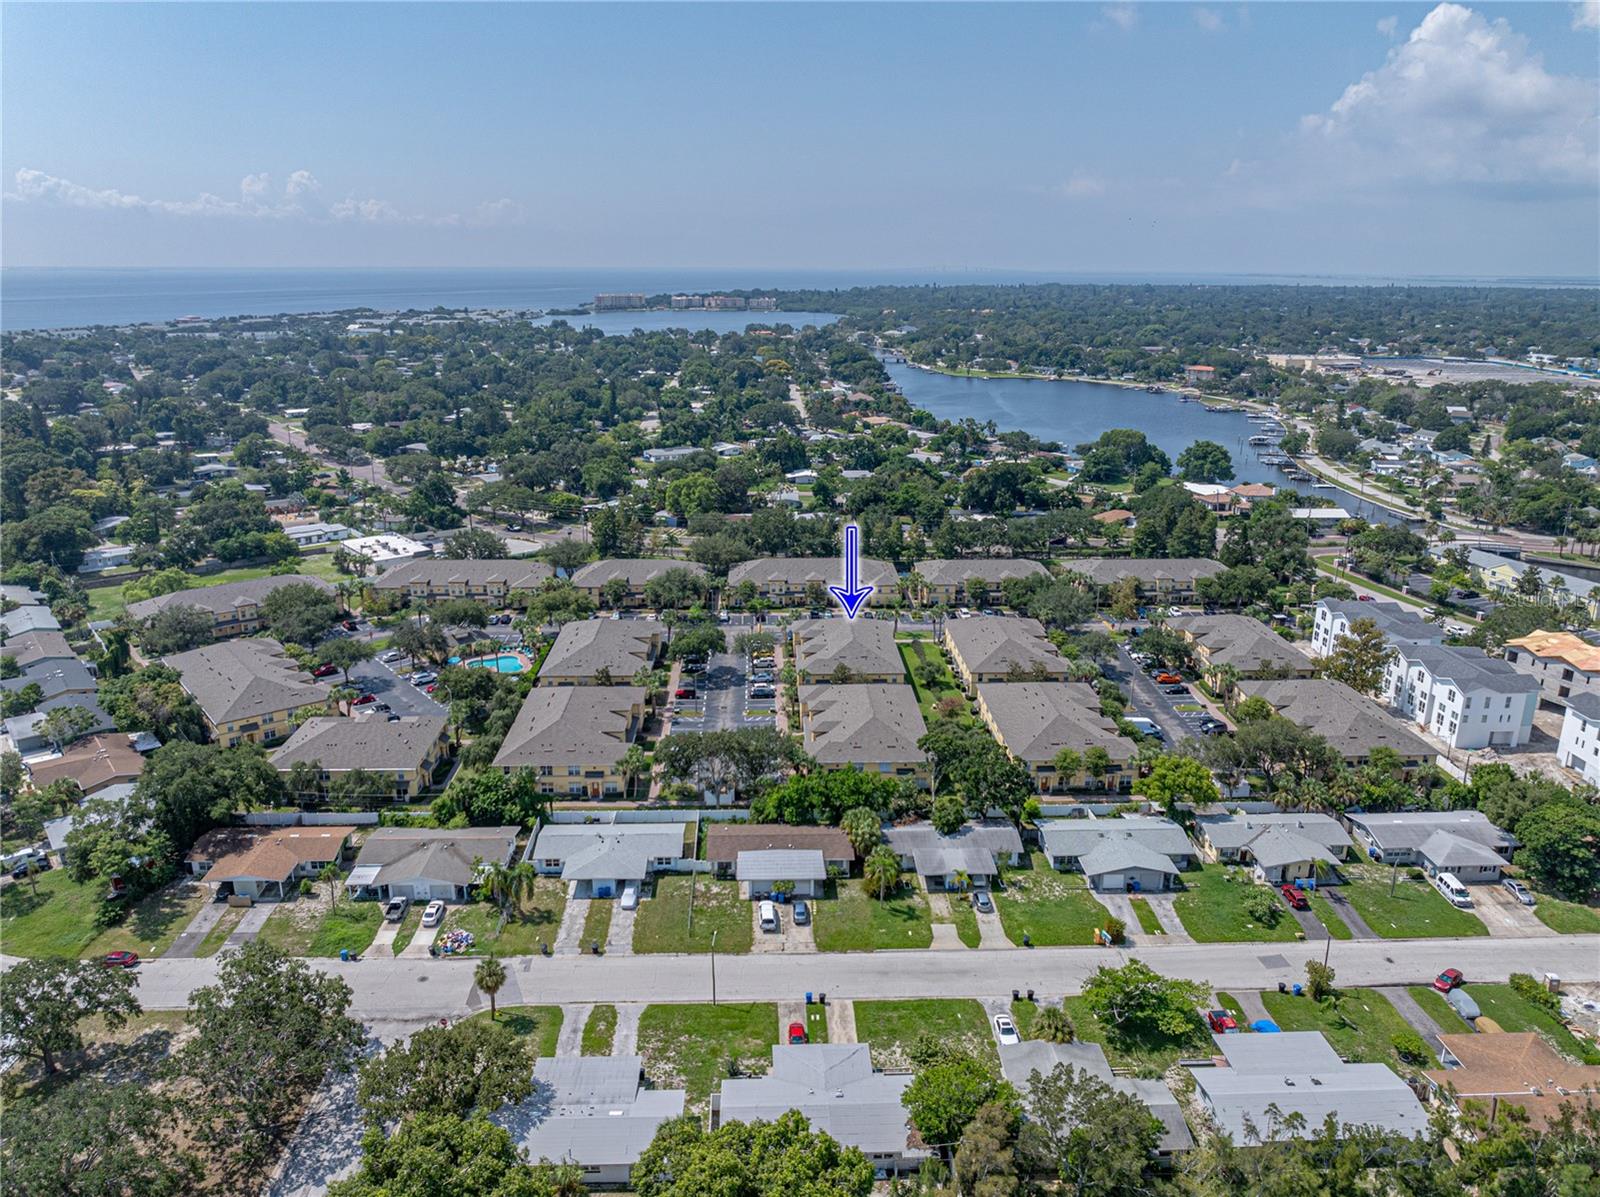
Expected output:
(1519, 891)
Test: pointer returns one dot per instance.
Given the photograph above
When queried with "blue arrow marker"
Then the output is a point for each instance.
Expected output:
(851, 595)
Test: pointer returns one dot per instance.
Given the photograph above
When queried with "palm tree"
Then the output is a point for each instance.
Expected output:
(635, 763)
(330, 877)
(863, 829)
(498, 882)
(1054, 1025)
(881, 870)
(489, 976)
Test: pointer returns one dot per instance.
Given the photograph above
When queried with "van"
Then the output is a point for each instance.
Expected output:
(769, 917)
(1454, 892)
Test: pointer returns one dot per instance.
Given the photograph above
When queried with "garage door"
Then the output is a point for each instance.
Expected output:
(1111, 881)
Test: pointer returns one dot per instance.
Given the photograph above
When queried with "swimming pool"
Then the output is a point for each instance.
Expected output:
(505, 663)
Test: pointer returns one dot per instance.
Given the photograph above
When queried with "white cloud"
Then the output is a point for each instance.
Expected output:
(1123, 16)
(1463, 101)
(1586, 14)
(1208, 19)
(299, 199)
(1389, 26)
(1082, 186)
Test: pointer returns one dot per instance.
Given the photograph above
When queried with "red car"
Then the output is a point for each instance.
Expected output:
(797, 1032)
(1295, 896)
(1221, 1022)
(686, 692)
(430, 688)
(325, 671)
(1365, 598)
(120, 959)
(1450, 979)
(350, 625)
(364, 700)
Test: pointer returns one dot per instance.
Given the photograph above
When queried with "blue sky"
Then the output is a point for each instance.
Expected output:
(1283, 138)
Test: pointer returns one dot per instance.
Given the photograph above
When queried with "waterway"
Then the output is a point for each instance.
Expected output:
(1075, 413)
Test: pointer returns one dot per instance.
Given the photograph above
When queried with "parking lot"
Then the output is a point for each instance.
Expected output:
(721, 701)
(1148, 700)
(376, 677)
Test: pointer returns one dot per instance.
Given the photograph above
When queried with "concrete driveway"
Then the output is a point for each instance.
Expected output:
(250, 925)
(190, 938)
(619, 936)
(1503, 914)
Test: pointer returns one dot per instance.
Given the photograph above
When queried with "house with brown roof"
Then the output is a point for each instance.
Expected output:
(259, 863)
(93, 763)
(725, 841)
(1511, 1069)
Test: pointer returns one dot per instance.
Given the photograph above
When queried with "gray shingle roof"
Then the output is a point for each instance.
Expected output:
(1401, 831)
(863, 724)
(226, 597)
(434, 854)
(583, 649)
(1273, 847)
(635, 571)
(993, 570)
(779, 864)
(1353, 725)
(1107, 571)
(1117, 853)
(972, 849)
(590, 1110)
(1019, 1061)
(997, 643)
(19, 620)
(438, 573)
(835, 1087)
(375, 745)
(238, 679)
(725, 841)
(608, 851)
(864, 646)
(562, 725)
(1446, 850)
(1469, 668)
(1228, 832)
(1075, 838)
(801, 571)
(1393, 620)
(1240, 641)
(1038, 719)
(1587, 704)
(43, 645)
(55, 676)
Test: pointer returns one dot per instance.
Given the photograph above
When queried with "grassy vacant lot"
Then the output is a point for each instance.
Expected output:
(1053, 909)
(540, 1023)
(134, 1051)
(535, 919)
(852, 920)
(662, 924)
(58, 919)
(1415, 911)
(1512, 1012)
(892, 1027)
(307, 927)
(1361, 1029)
(1146, 1055)
(1323, 909)
(1212, 908)
(599, 1031)
(690, 1046)
(1569, 918)
(1149, 923)
(1441, 1011)
(597, 923)
(106, 602)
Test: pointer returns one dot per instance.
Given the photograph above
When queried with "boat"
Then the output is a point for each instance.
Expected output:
(1296, 473)
(1265, 440)
(1323, 486)
(1215, 408)
(1464, 1005)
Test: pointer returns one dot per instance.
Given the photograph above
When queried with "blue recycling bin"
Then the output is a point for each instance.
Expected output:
(344, 954)
(1297, 989)
(808, 997)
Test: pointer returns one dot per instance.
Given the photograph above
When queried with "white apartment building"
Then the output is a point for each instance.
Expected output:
(1579, 748)
(1461, 695)
(1399, 626)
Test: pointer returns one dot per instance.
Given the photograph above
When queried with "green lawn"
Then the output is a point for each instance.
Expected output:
(965, 919)
(1149, 922)
(1512, 1012)
(218, 935)
(307, 927)
(597, 923)
(1231, 1004)
(534, 922)
(849, 919)
(1415, 911)
(1053, 909)
(541, 1023)
(1360, 1030)
(691, 1046)
(662, 924)
(1323, 909)
(1212, 908)
(1569, 918)
(599, 1030)
(914, 653)
(1441, 1011)
(58, 919)
(1146, 1055)
(892, 1027)
(816, 1023)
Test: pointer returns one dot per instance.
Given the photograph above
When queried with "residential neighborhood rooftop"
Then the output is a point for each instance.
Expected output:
(225, 597)
(235, 679)
(1353, 725)
(565, 725)
(862, 724)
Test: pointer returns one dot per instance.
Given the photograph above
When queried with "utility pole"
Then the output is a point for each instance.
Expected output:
(713, 968)
(1394, 876)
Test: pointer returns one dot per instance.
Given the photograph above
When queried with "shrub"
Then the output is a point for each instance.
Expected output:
(1410, 1047)
(1116, 929)
(1263, 906)
(1527, 988)
(1416, 874)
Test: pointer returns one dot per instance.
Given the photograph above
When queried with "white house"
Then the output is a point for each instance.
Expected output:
(1462, 695)
(1462, 842)
(1579, 748)
(106, 556)
(1334, 617)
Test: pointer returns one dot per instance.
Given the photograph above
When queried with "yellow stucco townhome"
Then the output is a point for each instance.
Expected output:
(235, 607)
(574, 737)
(248, 690)
(1034, 721)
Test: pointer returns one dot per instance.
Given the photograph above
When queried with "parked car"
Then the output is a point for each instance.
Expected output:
(1295, 896)
(982, 901)
(383, 708)
(684, 692)
(1179, 689)
(630, 896)
(325, 671)
(364, 700)
(1450, 979)
(350, 625)
(797, 1032)
(1005, 1030)
(1168, 679)
(802, 912)
(1365, 598)
(120, 959)
(391, 717)
(1221, 1022)
(423, 676)
(393, 655)
(395, 909)
(761, 692)
(761, 675)
(1519, 891)
(433, 914)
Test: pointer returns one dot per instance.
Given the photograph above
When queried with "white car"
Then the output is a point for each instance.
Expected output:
(1005, 1030)
(434, 913)
(393, 655)
(630, 896)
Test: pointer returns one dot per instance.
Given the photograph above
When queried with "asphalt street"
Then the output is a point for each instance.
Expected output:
(437, 988)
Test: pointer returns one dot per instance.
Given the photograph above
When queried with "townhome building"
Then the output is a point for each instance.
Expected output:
(1579, 747)
(789, 581)
(1463, 696)
(405, 751)
(1035, 721)
(601, 652)
(1156, 580)
(596, 578)
(248, 690)
(874, 728)
(574, 738)
(1504, 576)
(1333, 618)
(1352, 725)
(1240, 644)
(951, 581)
(1564, 665)
(1001, 648)
(234, 607)
(491, 581)
(864, 648)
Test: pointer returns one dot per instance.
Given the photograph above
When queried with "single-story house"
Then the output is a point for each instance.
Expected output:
(727, 842)
(1019, 1061)
(25, 732)
(1297, 1072)
(1512, 1069)
(600, 858)
(56, 678)
(1280, 846)
(94, 762)
(114, 799)
(835, 1086)
(592, 1111)
(406, 751)
(969, 859)
(424, 863)
(760, 870)
(1462, 842)
(1122, 854)
(262, 863)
